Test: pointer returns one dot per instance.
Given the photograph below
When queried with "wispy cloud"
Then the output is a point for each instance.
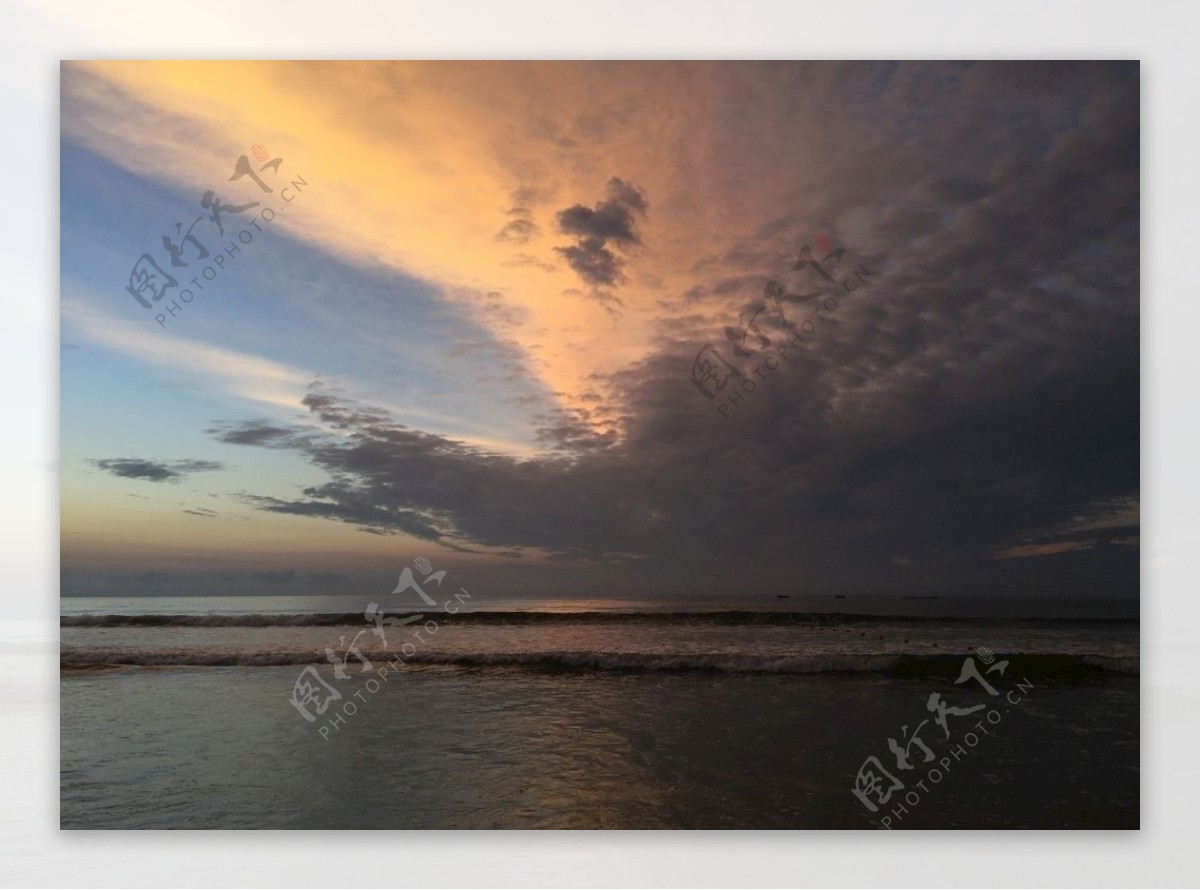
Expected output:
(1114, 513)
(1120, 513)
(1055, 548)
(245, 376)
(207, 514)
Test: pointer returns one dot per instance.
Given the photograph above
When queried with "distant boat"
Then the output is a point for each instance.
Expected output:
(782, 596)
(840, 596)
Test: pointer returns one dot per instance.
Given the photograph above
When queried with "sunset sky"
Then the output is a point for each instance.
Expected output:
(468, 332)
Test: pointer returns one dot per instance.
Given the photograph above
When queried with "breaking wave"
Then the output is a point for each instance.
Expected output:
(1062, 667)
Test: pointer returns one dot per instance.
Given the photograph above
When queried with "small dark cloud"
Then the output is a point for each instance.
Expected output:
(517, 231)
(253, 433)
(593, 262)
(520, 227)
(154, 470)
(611, 221)
(200, 511)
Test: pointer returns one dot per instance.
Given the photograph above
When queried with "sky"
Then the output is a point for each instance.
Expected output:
(614, 327)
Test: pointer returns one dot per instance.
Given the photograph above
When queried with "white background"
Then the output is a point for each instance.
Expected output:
(35, 36)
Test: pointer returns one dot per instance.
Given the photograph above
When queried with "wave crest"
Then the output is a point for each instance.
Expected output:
(1048, 666)
(728, 617)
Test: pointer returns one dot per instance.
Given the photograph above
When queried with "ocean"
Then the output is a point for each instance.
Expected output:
(544, 712)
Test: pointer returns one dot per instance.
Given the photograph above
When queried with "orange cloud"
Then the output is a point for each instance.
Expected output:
(424, 168)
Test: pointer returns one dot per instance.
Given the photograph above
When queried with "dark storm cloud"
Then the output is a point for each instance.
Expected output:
(611, 221)
(968, 420)
(154, 470)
